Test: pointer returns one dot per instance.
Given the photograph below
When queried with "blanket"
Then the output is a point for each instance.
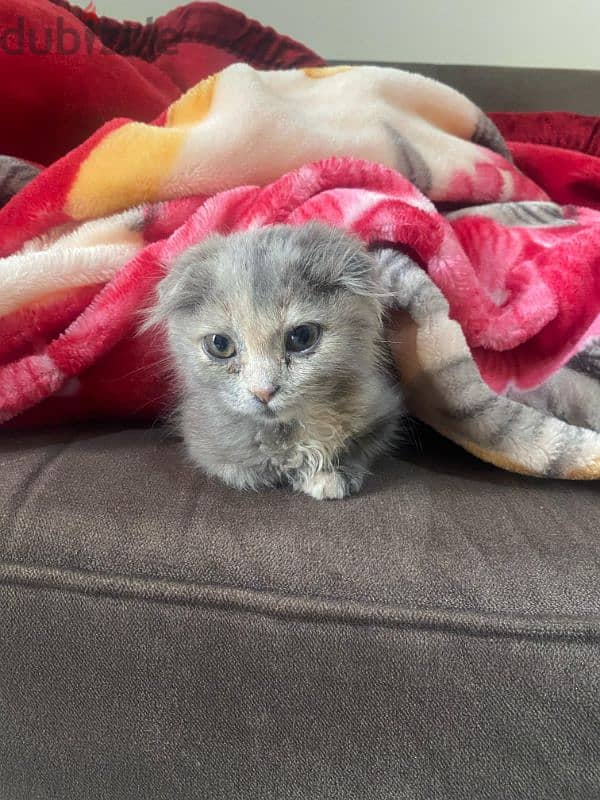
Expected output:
(494, 290)
(66, 70)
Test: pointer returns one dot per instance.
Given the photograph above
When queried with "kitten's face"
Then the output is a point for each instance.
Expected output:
(272, 321)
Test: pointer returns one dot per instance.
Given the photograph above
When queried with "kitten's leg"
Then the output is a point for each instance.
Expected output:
(356, 461)
(348, 476)
(241, 477)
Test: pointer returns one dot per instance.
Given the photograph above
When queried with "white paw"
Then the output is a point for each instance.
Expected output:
(326, 486)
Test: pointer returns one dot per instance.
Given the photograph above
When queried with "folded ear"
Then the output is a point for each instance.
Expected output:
(335, 258)
(187, 280)
(358, 273)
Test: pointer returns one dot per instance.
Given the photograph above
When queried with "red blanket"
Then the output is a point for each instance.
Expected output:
(66, 71)
(549, 148)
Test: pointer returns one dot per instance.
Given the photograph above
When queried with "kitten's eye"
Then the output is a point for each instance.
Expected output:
(302, 338)
(219, 346)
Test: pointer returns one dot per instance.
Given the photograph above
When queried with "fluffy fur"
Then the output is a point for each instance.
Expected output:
(336, 405)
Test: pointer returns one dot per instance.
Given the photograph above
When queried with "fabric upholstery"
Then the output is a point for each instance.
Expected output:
(163, 636)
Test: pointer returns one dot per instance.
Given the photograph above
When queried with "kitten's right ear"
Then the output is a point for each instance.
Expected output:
(184, 284)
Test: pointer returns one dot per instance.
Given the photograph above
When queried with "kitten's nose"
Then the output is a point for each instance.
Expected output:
(264, 394)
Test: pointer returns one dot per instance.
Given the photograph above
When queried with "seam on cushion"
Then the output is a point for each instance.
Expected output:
(50, 454)
(315, 610)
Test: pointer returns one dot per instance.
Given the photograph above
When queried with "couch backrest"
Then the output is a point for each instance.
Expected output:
(518, 88)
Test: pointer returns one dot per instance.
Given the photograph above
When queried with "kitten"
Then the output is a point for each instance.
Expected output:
(276, 337)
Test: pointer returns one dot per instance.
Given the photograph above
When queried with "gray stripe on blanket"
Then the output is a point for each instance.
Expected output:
(526, 214)
(470, 403)
(588, 361)
(462, 398)
(456, 364)
(404, 284)
(487, 135)
(569, 395)
(500, 423)
(472, 411)
(506, 427)
(15, 174)
(556, 466)
(409, 162)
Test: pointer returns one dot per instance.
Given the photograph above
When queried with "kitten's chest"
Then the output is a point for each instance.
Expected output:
(291, 447)
(279, 446)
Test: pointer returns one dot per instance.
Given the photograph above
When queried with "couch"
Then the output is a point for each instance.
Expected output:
(163, 637)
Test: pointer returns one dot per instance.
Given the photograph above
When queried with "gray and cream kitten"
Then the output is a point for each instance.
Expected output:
(276, 337)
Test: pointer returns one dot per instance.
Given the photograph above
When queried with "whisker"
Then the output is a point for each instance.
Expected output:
(141, 370)
(152, 400)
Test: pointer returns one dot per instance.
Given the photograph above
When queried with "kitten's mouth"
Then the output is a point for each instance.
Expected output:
(270, 412)
(267, 412)
(280, 413)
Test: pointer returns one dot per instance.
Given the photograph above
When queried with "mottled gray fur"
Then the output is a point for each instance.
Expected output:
(336, 406)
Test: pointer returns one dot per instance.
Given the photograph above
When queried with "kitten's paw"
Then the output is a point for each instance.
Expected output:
(326, 486)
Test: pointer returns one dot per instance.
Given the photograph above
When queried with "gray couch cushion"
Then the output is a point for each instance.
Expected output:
(165, 637)
(433, 530)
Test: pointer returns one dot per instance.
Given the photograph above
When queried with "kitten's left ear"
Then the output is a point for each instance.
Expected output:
(185, 282)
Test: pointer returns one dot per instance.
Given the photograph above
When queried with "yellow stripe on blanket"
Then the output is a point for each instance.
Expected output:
(324, 72)
(491, 456)
(194, 105)
(128, 167)
(587, 472)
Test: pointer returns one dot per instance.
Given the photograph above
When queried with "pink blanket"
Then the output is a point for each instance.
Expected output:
(495, 304)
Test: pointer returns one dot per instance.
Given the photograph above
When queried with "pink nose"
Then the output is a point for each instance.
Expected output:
(265, 394)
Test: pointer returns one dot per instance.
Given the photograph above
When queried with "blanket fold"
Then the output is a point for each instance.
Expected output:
(494, 306)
